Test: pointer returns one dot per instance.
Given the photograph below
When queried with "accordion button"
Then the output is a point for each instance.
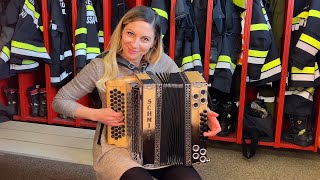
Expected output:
(205, 111)
(203, 151)
(195, 155)
(195, 148)
(195, 96)
(195, 105)
(203, 92)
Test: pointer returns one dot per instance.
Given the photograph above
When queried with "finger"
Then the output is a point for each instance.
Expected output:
(116, 124)
(211, 133)
(212, 113)
(114, 113)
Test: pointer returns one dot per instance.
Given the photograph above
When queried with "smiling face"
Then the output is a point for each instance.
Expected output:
(136, 40)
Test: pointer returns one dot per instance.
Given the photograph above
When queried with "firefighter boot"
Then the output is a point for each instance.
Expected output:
(43, 102)
(12, 98)
(33, 93)
(227, 118)
(300, 131)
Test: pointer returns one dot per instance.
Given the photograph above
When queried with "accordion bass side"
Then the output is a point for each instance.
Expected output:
(165, 116)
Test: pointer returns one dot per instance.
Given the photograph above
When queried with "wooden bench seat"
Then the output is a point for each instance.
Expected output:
(47, 141)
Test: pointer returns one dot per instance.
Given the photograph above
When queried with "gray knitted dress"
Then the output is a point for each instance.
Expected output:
(109, 161)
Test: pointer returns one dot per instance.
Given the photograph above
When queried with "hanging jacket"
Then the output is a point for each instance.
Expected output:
(27, 41)
(98, 7)
(87, 39)
(119, 9)
(264, 64)
(187, 52)
(61, 43)
(305, 44)
(225, 45)
(200, 12)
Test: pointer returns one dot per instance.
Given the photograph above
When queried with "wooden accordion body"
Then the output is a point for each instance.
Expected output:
(165, 117)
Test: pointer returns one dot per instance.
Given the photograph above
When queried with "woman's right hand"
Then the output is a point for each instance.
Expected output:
(108, 116)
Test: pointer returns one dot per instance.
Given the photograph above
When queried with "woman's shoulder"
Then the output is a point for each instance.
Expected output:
(164, 64)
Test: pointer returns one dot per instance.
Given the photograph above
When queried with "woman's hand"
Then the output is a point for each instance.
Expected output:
(213, 124)
(108, 116)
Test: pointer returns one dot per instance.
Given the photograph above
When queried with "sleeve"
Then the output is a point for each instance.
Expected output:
(162, 10)
(65, 100)
(81, 36)
(309, 42)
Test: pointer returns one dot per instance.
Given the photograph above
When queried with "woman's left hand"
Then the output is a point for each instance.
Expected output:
(213, 124)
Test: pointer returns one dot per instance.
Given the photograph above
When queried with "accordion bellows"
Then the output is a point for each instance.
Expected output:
(165, 117)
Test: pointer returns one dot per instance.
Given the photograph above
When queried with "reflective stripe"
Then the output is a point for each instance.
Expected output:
(227, 59)
(81, 31)
(259, 27)
(189, 59)
(306, 47)
(31, 53)
(257, 53)
(91, 13)
(101, 40)
(81, 52)
(6, 51)
(301, 22)
(305, 70)
(161, 12)
(302, 77)
(191, 65)
(271, 64)
(264, 11)
(240, 3)
(303, 15)
(93, 50)
(271, 72)
(225, 65)
(212, 65)
(92, 55)
(19, 67)
(314, 13)
(266, 99)
(254, 60)
(90, 8)
(29, 47)
(54, 26)
(211, 72)
(66, 54)
(59, 79)
(295, 20)
(32, 13)
(305, 93)
(41, 28)
(81, 46)
(100, 33)
(4, 56)
(310, 40)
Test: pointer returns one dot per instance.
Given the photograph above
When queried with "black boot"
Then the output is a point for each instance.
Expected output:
(43, 102)
(13, 101)
(300, 131)
(33, 93)
(227, 118)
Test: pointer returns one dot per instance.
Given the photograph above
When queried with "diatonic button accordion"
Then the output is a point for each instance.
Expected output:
(165, 115)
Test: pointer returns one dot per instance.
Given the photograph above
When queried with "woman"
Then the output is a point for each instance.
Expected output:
(137, 38)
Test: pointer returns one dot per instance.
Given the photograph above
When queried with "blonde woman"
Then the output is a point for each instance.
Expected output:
(137, 40)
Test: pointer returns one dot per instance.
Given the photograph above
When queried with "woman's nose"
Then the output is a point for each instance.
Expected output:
(135, 43)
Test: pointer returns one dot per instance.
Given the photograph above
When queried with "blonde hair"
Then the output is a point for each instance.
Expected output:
(138, 13)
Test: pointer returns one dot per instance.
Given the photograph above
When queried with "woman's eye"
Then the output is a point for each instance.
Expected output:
(146, 39)
(130, 33)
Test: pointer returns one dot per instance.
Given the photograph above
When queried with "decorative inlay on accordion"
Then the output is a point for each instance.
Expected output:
(165, 116)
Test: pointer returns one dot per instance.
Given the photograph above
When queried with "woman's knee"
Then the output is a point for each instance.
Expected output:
(136, 173)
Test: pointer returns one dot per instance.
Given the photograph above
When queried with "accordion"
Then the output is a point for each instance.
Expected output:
(165, 115)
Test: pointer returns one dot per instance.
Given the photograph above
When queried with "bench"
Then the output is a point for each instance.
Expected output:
(59, 143)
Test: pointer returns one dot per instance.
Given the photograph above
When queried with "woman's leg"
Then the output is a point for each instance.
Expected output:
(136, 173)
(176, 173)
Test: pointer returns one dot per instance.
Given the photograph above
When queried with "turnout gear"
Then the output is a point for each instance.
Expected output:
(257, 125)
(42, 102)
(33, 93)
(225, 45)
(12, 96)
(87, 39)
(300, 131)
(62, 66)
(264, 65)
(305, 44)
(119, 9)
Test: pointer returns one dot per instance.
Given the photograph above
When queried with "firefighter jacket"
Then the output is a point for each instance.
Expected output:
(87, 40)
(305, 44)
(119, 9)
(98, 6)
(264, 65)
(61, 43)
(225, 45)
(27, 41)
(200, 13)
(187, 52)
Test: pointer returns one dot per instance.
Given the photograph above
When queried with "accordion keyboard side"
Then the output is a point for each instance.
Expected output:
(118, 91)
(196, 151)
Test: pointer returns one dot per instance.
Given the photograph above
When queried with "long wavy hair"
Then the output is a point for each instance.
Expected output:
(138, 13)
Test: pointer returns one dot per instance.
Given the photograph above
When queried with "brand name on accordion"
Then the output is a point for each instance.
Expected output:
(149, 118)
